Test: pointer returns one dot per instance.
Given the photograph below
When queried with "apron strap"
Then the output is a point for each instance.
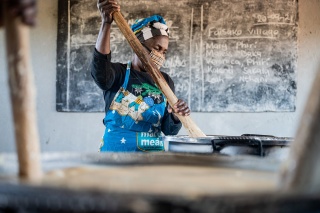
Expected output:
(125, 83)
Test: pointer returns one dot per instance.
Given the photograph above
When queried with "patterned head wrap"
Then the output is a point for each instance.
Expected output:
(150, 27)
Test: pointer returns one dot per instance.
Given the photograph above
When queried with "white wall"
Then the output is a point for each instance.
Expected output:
(82, 131)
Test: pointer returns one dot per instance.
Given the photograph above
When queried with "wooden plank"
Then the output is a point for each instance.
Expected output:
(22, 93)
(193, 129)
(65, 200)
(301, 171)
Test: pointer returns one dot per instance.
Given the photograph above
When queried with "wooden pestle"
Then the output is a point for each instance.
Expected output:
(193, 129)
(22, 94)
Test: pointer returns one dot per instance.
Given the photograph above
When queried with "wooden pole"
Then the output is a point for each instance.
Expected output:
(301, 171)
(22, 94)
(193, 129)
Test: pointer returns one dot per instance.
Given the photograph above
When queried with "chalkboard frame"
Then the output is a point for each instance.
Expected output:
(62, 46)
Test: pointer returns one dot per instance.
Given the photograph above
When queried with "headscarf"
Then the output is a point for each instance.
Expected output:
(150, 27)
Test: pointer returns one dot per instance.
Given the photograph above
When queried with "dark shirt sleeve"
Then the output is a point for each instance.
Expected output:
(101, 70)
(169, 126)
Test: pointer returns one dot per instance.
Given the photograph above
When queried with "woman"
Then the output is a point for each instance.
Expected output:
(136, 110)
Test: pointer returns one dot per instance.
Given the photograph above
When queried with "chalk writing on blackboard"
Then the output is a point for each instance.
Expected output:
(224, 55)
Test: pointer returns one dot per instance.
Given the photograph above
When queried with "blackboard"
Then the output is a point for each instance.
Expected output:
(224, 55)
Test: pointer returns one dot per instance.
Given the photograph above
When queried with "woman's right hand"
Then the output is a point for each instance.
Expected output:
(106, 8)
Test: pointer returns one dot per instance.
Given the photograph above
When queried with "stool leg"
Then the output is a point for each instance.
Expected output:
(22, 93)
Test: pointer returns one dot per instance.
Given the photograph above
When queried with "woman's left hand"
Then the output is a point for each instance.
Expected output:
(181, 108)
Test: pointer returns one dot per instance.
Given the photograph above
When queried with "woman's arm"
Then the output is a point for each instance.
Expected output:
(103, 41)
(101, 70)
(169, 125)
(106, 8)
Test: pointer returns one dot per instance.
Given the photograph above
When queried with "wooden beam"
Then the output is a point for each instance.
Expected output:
(22, 94)
(193, 129)
(301, 171)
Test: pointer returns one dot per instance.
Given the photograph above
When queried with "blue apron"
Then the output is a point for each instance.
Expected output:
(133, 123)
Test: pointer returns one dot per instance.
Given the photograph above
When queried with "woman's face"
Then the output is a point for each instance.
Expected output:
(159, 44)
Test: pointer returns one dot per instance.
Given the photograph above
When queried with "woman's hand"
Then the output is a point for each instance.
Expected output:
(181, 108)
(106, 8)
